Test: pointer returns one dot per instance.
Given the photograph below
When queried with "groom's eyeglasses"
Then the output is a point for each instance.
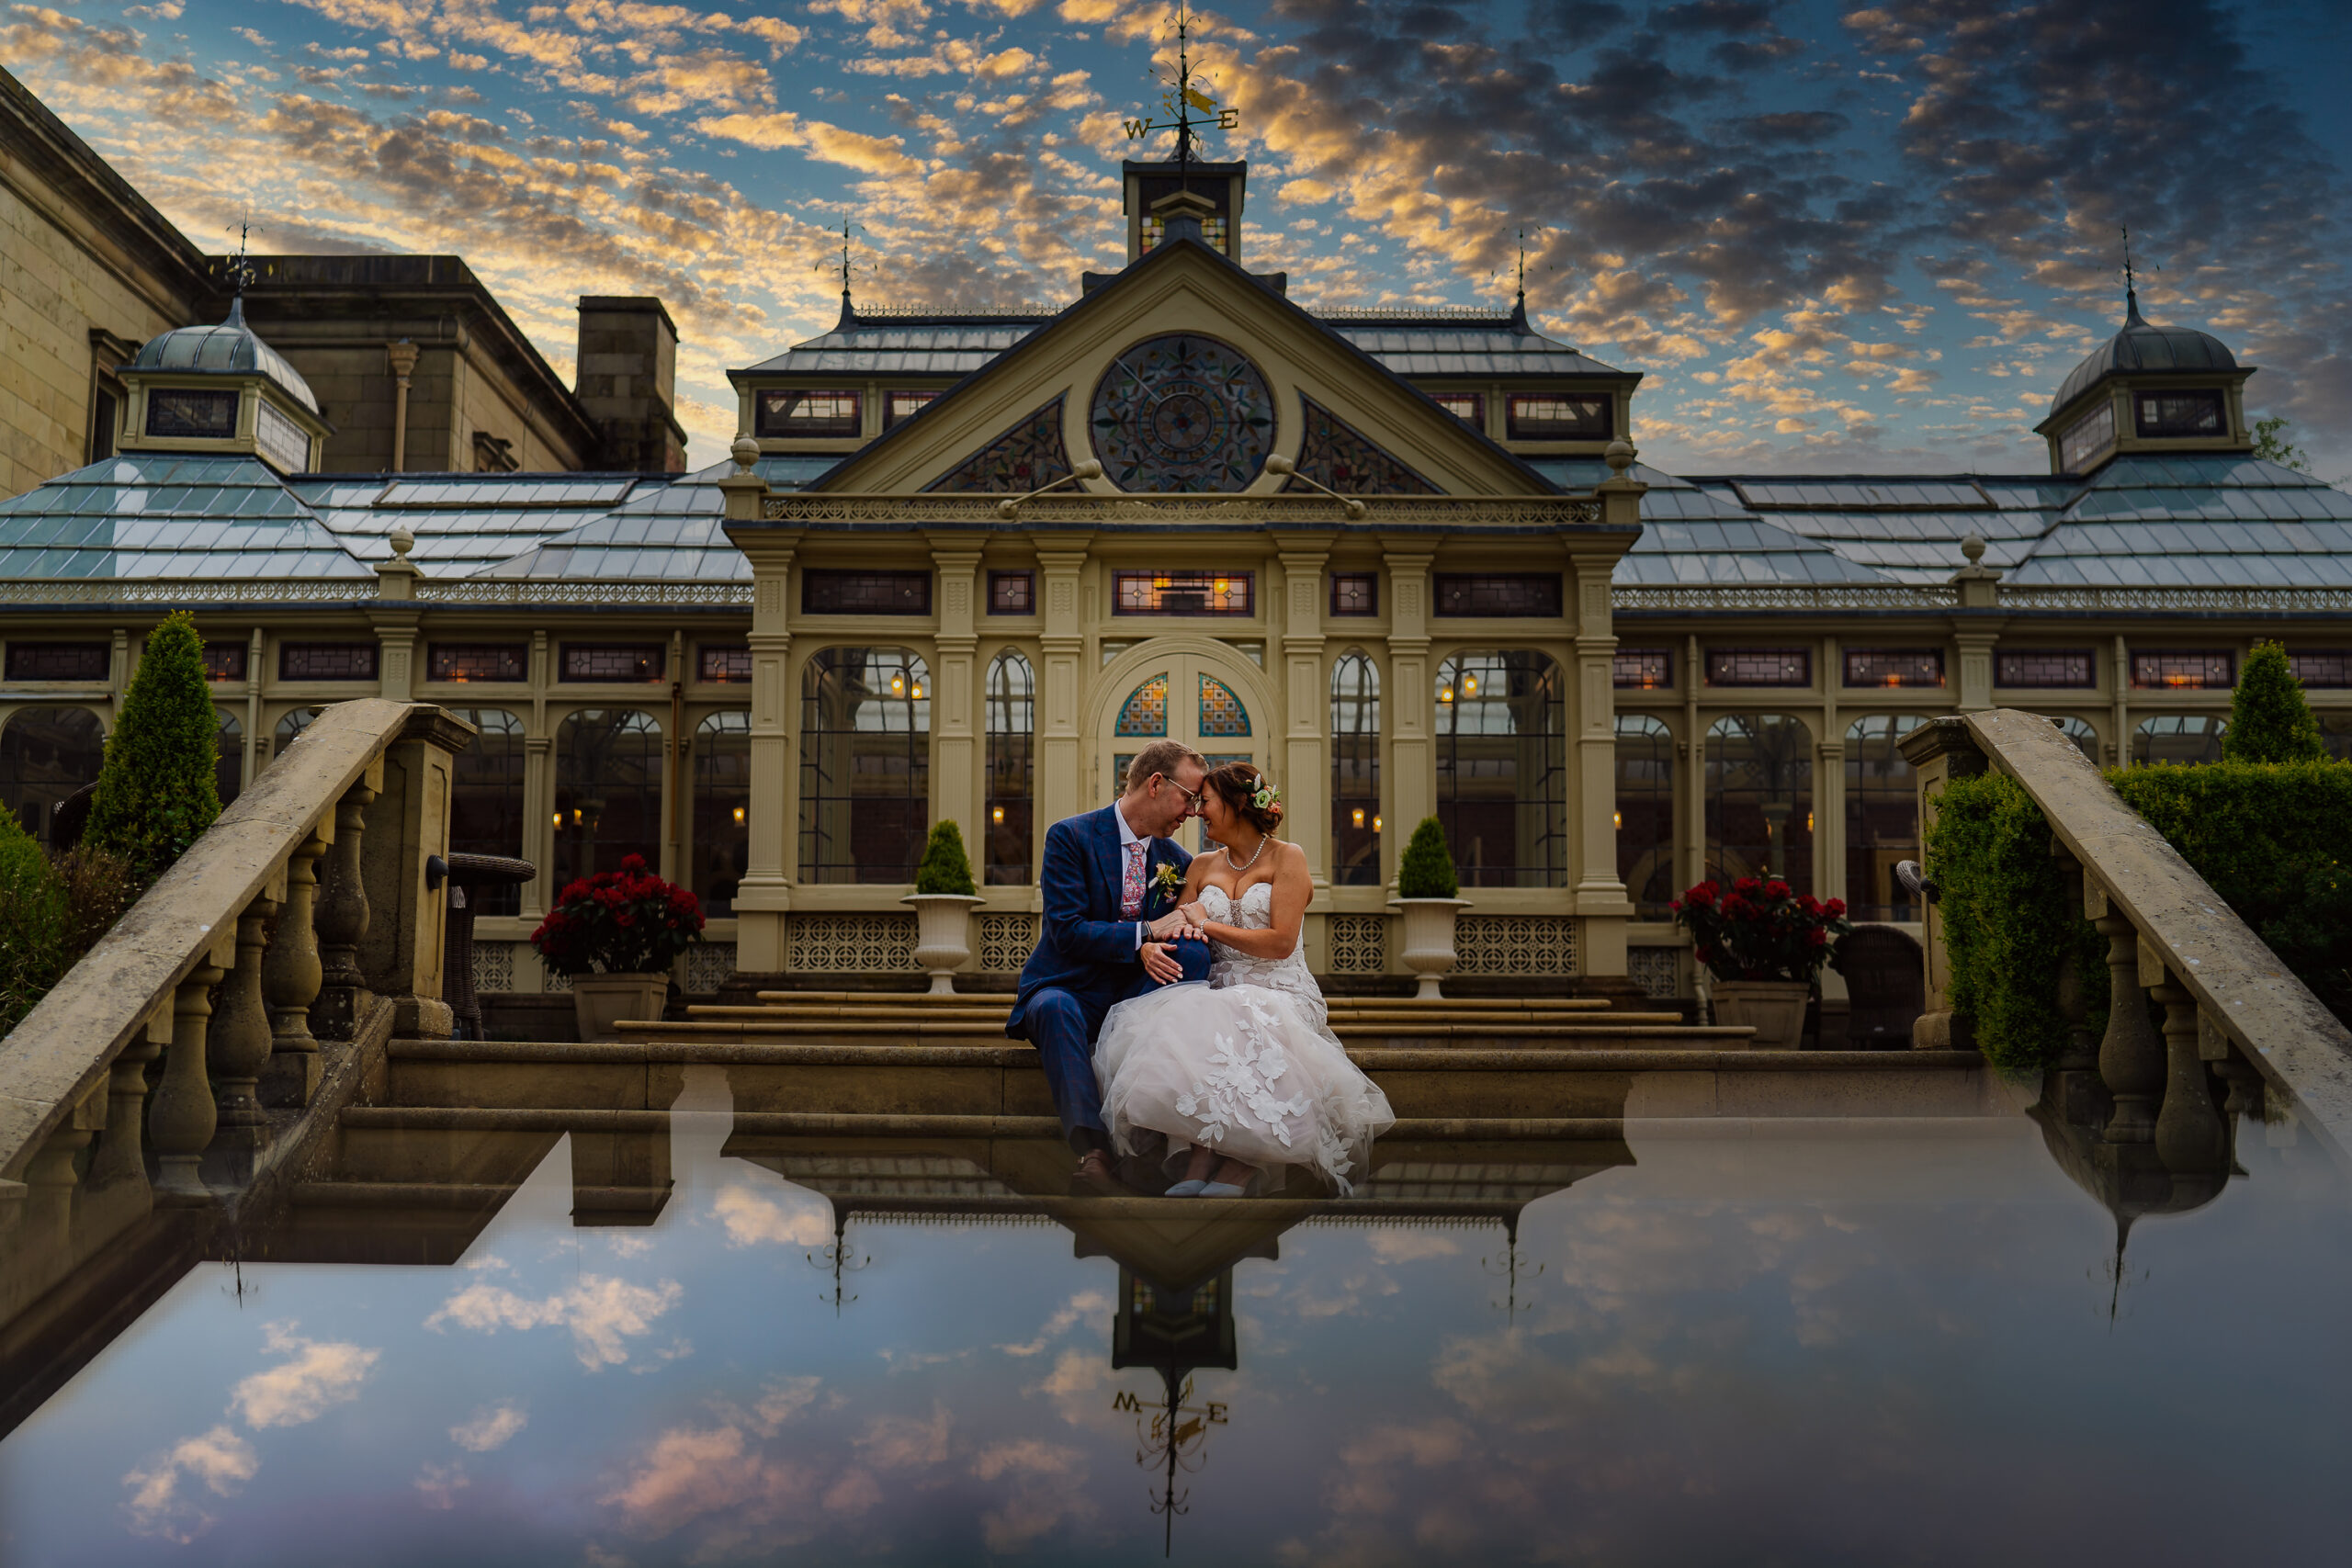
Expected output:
(1193, 797)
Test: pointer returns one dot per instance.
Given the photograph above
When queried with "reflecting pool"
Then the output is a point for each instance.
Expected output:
(1803, 1341)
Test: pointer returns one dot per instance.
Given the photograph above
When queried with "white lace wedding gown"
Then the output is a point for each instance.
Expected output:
(1246, 1064)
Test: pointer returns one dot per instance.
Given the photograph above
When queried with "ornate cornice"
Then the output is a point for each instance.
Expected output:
(1251, 511)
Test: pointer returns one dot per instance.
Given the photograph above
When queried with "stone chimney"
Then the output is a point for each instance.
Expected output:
(628, 379)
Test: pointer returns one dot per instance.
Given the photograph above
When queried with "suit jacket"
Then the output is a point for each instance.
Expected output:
(1085, 947)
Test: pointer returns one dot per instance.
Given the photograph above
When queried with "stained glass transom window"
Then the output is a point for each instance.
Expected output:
(1333, 452)
(1182, 413)
(1145, 712)
(58, 660)
(829, 593)
(1355, 593)
(614, 660)
(1012, 593)
(222, 661)
(2045, 667)
(2191, 668)
(326, 662)
(1641, 669)
(1759, 666)
(1222, 713)
(2328, 669)
(1028, 456)
(1517, 594)
(1895, 667)
(1181, 592)
(477, 661)
(722, 663)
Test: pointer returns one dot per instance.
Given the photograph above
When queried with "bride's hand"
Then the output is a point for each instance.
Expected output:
(1194, 916)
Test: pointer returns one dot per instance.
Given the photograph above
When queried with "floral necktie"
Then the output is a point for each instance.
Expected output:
(1131, 888)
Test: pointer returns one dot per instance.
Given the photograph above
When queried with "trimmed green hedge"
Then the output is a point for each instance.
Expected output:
(945, 867)
(2008, 922)
(1427, 870)
(2275, 839)
(157, 791)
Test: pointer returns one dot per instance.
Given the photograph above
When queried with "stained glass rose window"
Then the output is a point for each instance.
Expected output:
(1182, 413)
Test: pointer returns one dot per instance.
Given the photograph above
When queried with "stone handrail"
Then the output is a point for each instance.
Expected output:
(2230, 1006)
(314, 922)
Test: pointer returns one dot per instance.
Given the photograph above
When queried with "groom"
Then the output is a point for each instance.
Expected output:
(1108, 934)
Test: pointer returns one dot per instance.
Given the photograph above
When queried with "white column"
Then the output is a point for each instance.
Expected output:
(1305, 768)
(1062, 769)
(1411, 779)
(954, 693)
(765, 891)
(1601, 897)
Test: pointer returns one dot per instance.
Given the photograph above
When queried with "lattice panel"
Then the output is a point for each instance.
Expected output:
(1514, 944)
(852, 944)
(1006, 942)
(493, 967)
(555, 982)
(1656, 970)
(709, 964)
(1359, 945)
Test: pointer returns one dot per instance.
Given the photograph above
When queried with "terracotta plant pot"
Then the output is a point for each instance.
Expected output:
(1428, 940)
(943, 935)
(600, 1002)
(1774, 1008)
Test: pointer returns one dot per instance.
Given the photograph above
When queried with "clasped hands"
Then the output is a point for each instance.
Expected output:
(1160, 960)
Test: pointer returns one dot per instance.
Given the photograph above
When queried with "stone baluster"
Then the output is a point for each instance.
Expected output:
(2244, 1080)
(290, 976)
(51, 1177)
(182, 1121)
(2189, 1136)
(120, 1159)
(2132, 1056)
(343, 924)
(241, 1037)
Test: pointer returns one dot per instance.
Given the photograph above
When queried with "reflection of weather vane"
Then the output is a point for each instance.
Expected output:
(1506, 1269)
(836, 1255)
(2115, 1271)
(1171, 1441)
(1182, 98)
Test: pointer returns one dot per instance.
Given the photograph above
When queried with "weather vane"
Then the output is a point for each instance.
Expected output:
(2130, 281)
(241, 269)
(1182, 98)
(1170, 1442)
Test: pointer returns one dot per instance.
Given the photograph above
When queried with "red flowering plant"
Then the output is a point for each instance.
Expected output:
(618, 922)
(1761, 930)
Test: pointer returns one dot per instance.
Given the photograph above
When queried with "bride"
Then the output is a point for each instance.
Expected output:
(1242, 1076)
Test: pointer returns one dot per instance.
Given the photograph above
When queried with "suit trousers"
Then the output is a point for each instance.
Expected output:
(1063, 1026)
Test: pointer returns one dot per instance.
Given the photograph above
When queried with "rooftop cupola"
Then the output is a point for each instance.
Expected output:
(220, 389)
(2148, 388)
(1182, 196)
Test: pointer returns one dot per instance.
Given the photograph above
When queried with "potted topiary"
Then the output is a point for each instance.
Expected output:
(1765, 944)
(1426, 887)
(617, 933)
(943, 901)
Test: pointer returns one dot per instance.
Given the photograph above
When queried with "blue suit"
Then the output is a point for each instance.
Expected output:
(1086, 962)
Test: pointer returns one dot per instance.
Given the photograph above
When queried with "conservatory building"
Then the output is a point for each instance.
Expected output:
(962, 567)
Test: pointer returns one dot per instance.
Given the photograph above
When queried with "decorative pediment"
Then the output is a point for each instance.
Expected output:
(1184, 375)
(1030, 455)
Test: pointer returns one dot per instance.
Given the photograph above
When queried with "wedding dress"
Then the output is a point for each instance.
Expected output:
(1246, 1064)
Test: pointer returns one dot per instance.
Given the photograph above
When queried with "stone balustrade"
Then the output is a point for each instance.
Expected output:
(289, 940)
(2238, 1027)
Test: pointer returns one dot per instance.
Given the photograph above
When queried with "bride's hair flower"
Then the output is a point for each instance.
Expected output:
(1264, 797)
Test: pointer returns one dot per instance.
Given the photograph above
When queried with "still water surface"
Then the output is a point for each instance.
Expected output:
(1809, 1343)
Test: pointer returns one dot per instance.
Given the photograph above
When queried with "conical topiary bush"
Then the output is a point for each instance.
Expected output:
(2270, 721)
(157, 791)
(1427, 870)
(945, 867)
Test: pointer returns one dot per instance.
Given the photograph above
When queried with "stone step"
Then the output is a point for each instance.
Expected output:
(1619, 1032)
(1001, 1078)
(932, 1021)
(406, 1118)
(1002, 1002)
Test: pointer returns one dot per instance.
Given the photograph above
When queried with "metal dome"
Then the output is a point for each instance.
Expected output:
(232, 346)
(2142, 347)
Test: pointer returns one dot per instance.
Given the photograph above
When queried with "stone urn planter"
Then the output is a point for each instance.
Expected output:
(600, 1002)
(1774, 1008)
(1428, 940)
(943, 935)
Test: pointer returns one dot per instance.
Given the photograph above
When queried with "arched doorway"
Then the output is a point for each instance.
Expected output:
(1200, 698)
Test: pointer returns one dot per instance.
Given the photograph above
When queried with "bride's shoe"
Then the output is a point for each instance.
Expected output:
(1219, 1190)
(1185, 1189)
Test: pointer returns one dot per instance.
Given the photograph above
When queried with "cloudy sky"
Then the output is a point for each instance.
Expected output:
(1833, 238)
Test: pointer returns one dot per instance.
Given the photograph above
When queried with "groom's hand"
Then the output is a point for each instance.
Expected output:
(1168, 925)
(1160, 963)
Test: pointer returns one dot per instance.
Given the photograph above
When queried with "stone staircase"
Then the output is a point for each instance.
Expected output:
(915, 1104)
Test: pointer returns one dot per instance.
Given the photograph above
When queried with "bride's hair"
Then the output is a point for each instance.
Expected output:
(1242, 786)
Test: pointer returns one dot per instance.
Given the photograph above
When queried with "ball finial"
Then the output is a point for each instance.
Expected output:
(402, 541)
(1619, 457)
(745, 452)
(1973, 548)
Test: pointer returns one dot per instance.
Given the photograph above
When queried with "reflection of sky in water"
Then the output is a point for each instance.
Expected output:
(1818, 1348)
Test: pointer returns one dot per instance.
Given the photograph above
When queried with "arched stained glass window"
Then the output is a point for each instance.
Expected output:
(865, 765)
(229, 769)
(1646, 813)
(1222, 715)
(607, 792)
(1760, 799)
(46, 753)
(292, 723)
(1011, 771)
(1881, 817)
(722, 847)
(1502, 768)
(1144, 715)
(2184, 739)
(486, 801)
(1356, 770)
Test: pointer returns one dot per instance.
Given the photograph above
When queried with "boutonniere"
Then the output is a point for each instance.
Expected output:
(1167, 881)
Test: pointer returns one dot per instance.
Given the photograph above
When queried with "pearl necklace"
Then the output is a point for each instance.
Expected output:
(1246, 864)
